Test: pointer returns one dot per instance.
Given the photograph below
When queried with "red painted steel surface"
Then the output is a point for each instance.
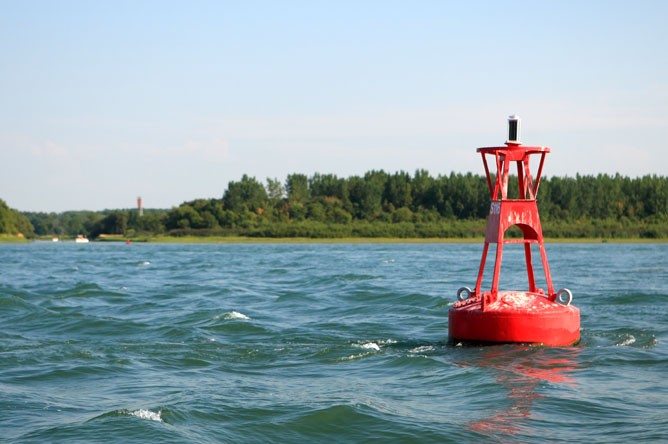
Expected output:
(531, 316)
(515, 317)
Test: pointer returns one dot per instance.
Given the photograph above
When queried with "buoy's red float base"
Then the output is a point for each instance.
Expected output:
(515, 316)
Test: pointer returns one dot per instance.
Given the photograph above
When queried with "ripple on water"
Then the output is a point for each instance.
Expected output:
(316, 343)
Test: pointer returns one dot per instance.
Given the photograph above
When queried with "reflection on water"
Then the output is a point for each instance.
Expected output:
(520, 370)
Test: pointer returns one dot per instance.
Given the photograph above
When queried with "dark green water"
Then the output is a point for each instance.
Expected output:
(319, 343)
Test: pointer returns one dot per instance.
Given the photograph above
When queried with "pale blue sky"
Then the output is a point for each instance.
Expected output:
(101, 102)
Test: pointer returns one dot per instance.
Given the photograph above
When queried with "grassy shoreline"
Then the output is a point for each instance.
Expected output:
(362, 240)
(332, 240)
(12, 239)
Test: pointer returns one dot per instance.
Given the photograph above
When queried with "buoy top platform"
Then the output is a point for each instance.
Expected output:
(531, 316)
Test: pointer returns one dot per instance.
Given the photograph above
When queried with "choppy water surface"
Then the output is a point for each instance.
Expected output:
(317, 343)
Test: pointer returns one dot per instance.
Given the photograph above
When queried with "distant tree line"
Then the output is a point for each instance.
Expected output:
(385, 204)
(95, 223)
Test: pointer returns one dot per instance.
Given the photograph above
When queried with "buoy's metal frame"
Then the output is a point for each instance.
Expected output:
(521, 212)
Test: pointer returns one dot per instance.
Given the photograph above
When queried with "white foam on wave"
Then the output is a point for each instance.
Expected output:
(371, 346)
(232, 315)
(353, 357)
(388, 261)
(147, 414)
(627, 341)
(422, 349)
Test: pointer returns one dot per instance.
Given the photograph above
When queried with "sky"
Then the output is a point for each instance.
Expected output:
(105, 101)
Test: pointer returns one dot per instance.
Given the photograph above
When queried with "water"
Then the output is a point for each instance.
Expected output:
(316, 343)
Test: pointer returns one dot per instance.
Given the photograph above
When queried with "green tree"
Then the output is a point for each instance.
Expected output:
(297, 211)
(43, 223)
(13, 222)
(398, 190)
(113, 223)
(419, 186)
(275, 191)
(184, 216)
(316, 211)
(327, 185)
(247, 194)
(402, 215)
(366, 194)
(297, 187)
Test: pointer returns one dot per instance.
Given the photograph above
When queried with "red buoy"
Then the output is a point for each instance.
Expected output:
(532, 316)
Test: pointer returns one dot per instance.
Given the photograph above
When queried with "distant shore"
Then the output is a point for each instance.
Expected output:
(369, 240)
(336, 240)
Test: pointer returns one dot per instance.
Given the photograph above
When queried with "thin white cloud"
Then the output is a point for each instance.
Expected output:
(215, 149)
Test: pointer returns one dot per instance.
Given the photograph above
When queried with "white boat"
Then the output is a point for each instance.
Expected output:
(81, 239)
(55, 239)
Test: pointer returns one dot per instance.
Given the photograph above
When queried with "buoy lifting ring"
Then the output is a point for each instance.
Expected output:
(567, 292)
(464, 290)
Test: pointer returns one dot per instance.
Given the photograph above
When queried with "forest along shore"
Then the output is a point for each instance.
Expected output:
(378, 205)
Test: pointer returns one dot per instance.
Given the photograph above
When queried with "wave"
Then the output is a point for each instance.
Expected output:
(13, 302)
(79, 289)
(622, 337)
(354, 357)
(390, 300)
(422, 349)
(368, 419)
(147, 414)
(630, 340)
(633, 298)
(298, 297)
(232, 315)
(139, 413)
(369, 346)
(65, 372)
(337, 279)
(240, 327)
(83, 290)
